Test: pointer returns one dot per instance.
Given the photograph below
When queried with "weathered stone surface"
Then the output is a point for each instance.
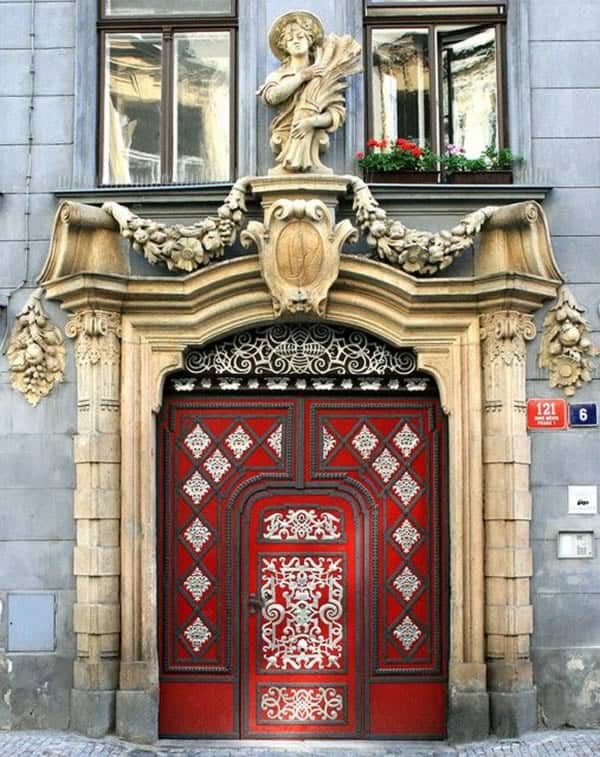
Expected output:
(468, 716)
(512, 714)
(137, 716)
(92, 712)
(568, 686)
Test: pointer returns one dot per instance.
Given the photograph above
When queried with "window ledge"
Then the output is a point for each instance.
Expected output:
(412, 202)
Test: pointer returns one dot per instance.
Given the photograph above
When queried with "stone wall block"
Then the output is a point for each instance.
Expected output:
(509, 620)
(508, 562)
(97, 503)
(503, 448)
(104, 533)
(96, 619)
(97, 448)
(103, 674)
(96, 561)
(98, 589)
(506, 504)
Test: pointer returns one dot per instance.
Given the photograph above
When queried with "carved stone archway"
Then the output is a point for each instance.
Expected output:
(470, 334)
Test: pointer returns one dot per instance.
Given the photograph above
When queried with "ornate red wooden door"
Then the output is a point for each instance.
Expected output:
(302, 579)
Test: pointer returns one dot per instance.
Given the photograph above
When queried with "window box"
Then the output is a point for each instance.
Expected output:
(479, 177)
(402, 177)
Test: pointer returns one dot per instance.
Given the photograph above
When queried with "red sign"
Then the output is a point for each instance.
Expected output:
(545, 413)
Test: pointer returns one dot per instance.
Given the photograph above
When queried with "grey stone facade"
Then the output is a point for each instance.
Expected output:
(47, 147)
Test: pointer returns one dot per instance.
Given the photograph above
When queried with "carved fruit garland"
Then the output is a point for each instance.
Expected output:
(414, 251)
(184, 248)
(566, 350)
(36, 353)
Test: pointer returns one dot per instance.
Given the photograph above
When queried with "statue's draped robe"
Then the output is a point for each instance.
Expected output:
(298, 153)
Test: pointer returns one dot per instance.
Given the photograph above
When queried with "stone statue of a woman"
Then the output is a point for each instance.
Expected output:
(309, 86)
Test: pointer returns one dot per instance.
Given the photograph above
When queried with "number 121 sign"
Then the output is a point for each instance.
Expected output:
(544, 413)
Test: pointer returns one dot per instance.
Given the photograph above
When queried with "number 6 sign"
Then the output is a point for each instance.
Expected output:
(546, 413)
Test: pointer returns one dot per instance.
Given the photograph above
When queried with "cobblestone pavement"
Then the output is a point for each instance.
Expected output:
(58, 744)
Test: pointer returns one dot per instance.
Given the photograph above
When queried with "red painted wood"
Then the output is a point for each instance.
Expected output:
(334, 508)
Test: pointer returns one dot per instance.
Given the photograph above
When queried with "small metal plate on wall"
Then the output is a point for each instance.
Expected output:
(31, 622)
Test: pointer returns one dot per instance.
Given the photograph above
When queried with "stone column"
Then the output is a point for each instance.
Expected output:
(507, 516)
(97, 505)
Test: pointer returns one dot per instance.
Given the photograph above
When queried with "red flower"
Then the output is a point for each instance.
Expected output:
(360, 155)
(383, 143)
(416, 151)
(372, 143)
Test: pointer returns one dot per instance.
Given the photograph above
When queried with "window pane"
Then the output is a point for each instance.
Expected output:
(201, 126)
(167, 7)
(132, 109)
(469, 89)
(400, 84)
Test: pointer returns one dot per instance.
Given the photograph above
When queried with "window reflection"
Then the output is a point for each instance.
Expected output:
(132, 109)
(469, 88)
(401, 84)
(202, 104)
(166, 7)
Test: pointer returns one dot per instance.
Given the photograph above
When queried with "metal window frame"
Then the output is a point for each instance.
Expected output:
(432, 24)
(167, 27)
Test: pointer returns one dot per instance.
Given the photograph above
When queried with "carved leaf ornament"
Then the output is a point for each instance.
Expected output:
(36, 353)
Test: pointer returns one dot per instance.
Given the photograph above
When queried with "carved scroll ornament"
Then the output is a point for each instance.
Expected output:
(36, 353)
(566, 349)
(184, 248)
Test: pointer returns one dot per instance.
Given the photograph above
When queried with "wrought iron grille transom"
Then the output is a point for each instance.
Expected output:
(300, 356)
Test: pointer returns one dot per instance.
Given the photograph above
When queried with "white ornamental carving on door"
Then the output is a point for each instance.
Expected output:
(302, 626)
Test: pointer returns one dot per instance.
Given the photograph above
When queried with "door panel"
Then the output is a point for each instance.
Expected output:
(303, 570)
(302, 567)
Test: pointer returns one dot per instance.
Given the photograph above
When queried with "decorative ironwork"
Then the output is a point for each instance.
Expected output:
(217, 465)
(407, 633)
(386, 465)
(365, 442)
(197, 441)
(406, 536)
(406, 440)
(406, 583)
(239, 442)
(197, 534)
(275, 440)
(328, 442)
(306, 704)
(302, 627)
(406, 488)
(311, 350)
(197, 583)
(197, 634)
(196, 488)
(297, 524)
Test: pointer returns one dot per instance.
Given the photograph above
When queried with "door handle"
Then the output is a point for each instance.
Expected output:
(255, 604)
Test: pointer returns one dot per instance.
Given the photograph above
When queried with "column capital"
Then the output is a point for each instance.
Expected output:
(505, 334)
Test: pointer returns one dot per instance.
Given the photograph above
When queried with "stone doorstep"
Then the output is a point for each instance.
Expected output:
(67, 744)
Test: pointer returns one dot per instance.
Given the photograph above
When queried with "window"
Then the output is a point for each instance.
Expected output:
(435, 74)
(167, 91)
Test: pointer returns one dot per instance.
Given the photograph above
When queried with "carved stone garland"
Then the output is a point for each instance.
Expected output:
(565, 349)
(184, 248)
(413, 251)
(36, 353)
(187, 248)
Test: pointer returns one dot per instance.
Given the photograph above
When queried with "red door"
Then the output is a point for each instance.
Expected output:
(302, 567)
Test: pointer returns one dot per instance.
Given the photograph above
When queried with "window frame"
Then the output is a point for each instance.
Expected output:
(432, 23)
(167, 26)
